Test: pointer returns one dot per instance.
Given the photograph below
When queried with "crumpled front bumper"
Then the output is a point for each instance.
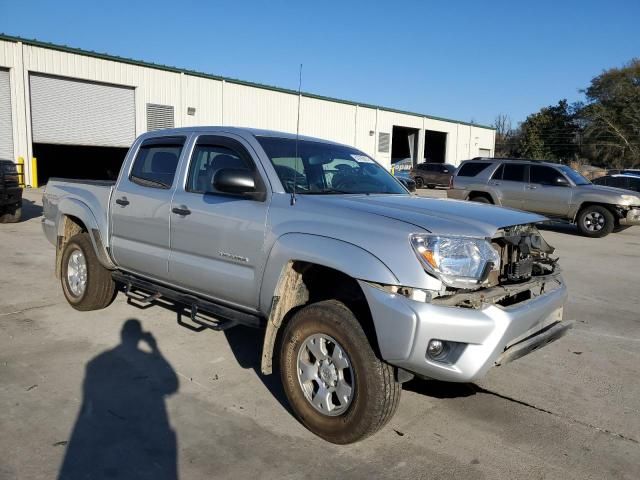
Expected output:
(632, 217)
(484, 336)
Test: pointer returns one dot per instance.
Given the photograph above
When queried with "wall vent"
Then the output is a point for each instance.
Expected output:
(159, 117)
(384, 140)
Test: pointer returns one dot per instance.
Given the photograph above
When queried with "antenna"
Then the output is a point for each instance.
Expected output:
(295, 175)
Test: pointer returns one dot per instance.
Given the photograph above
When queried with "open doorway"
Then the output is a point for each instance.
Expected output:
(435, 146)
(404, 147)
(77, 161)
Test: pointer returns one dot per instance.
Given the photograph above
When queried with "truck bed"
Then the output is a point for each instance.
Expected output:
(94, 194)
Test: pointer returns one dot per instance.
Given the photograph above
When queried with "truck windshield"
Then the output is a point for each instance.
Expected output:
(324, 168)
(573, 175)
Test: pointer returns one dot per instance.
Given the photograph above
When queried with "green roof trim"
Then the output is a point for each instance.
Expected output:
(168, 68)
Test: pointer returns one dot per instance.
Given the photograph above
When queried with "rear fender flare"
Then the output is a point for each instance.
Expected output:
(70, 207)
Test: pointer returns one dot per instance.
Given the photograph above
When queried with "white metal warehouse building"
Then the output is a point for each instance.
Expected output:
(78, 111)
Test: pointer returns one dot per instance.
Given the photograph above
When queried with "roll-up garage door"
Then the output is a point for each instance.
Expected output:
(6, 130)
(73, 112)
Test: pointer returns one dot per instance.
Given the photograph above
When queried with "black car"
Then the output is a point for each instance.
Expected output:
(623, 180)
(407, 182)
(10, 193)
(432, 175)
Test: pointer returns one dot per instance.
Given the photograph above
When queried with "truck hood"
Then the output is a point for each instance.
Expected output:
(435, 215)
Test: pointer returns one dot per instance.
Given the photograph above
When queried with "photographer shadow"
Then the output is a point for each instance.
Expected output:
(123, 429)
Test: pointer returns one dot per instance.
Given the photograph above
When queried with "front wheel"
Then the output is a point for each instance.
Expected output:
(11, 214)
(86, 284)
(595, 221)
(336, 385)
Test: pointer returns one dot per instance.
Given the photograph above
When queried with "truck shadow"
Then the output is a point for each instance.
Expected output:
(246, 345)
(438, 389)
(30, 210)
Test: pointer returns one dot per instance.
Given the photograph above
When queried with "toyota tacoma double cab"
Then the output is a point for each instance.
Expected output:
(357, 284)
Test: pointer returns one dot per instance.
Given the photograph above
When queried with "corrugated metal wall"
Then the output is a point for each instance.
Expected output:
(6, 125)
(216, 102)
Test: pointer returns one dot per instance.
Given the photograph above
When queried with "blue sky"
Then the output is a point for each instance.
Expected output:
(468, 60)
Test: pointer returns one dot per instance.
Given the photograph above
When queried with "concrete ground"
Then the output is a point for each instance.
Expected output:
(198, 405)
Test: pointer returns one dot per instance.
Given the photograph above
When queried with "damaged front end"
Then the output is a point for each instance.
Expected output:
(527, 270)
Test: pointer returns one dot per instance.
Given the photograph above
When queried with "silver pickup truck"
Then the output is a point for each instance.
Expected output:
(358, 284)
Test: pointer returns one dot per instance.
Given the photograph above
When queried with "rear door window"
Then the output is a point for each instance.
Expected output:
(514, 172)
(472, 169)
(156, 162)
(497, 175)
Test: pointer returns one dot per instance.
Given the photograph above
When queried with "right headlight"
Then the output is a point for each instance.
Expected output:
(459, 262)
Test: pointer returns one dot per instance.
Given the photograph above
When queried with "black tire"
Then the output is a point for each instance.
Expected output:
(100, 289)
(376, 392)
(419, 182)
(11, 214)
(480, 199)
(595, 221)
(431, 185)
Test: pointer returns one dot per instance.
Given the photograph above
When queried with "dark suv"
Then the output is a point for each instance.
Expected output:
(10, 193)
(432, 174)
(625, 181)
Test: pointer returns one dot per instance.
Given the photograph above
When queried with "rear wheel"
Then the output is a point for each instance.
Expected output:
(419, 182)
(595, 221)
(336, 385)
(11, 214)
(86, 284)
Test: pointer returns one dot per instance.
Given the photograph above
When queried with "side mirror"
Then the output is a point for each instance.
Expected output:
(561, 182)
(234, 180)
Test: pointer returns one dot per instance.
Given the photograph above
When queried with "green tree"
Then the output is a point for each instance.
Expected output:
(550, 134)
(611, 116)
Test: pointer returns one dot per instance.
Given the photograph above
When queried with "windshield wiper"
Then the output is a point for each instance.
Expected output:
(328, 191)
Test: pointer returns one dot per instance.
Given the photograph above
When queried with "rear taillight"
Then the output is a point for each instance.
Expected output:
(451, 181)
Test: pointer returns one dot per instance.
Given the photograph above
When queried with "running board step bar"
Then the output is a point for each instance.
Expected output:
(203, 314)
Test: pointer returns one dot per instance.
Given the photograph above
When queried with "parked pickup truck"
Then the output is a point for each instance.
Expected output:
(10, 193)
(358, 284)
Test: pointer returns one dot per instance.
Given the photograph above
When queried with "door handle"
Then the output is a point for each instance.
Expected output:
(532, 187)
(122, 201)
(181, 211)
(496, 184)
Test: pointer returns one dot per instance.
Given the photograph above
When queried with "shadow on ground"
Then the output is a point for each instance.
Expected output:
(246, 345)
(437, 389)
(30, 210)
(123, 429)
